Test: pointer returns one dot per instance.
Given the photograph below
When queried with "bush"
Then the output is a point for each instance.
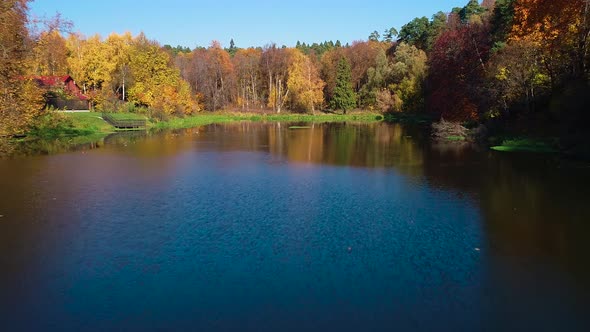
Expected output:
(447, 130)
(388, 102)
(51, 124)
(158, 114)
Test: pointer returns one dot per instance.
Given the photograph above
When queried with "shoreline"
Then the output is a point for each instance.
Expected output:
(78, 128)
(70, 129)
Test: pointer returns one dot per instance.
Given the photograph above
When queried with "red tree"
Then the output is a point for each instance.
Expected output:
(457, 68)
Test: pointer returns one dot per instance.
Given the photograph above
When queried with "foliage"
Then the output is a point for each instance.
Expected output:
(248, 78)
(408, 73)
(496, 61)
(518, 71)
(157, 83)
(457, 69)
(470, 10)
(377, 79)
(502, 20)
(304, 82)
(449, 131)
(50, 54)
(395, 86)
(275, 68)
(388, 102)
(329, 67)
(416, 32)
(20, 99)
(560, 28)
(362, 56)
(344, 96)
(390, 34)
(52, 124)
(318, 49)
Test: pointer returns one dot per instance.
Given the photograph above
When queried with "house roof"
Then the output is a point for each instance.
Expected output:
(56, 81)
(52, 80)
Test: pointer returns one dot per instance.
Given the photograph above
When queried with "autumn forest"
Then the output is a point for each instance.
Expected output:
(425, 174)
(496, 62)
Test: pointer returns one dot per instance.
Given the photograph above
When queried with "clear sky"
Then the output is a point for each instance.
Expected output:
(250, 23)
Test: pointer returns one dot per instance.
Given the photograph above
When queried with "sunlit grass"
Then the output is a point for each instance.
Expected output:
(210, 118)
(525, 145)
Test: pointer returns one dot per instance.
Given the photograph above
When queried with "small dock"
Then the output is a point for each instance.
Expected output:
(125, 124)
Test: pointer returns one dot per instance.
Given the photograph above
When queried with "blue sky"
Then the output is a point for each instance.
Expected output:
(249, 23)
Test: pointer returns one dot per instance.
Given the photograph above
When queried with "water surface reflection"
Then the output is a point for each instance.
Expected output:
(258, 226)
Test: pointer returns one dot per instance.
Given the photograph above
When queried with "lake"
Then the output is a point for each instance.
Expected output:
(263, 227)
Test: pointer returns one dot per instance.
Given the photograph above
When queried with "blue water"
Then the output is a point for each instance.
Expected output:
(194, 232)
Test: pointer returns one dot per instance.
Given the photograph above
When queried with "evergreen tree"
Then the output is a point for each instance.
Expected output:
(374, 36)
(502, 20)
(472, 8)
(390, 34)
(415, 32)
(232, 50)
(344, 96)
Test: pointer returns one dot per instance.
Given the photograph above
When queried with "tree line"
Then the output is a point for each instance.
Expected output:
(489, 60)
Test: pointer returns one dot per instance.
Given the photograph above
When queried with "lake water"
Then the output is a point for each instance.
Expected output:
(258, 227)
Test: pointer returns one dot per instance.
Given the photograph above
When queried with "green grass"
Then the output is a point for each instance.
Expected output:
(196, 121)
(70, 128)
(525, 145)
(90, 121)
(456, 138)
(210, 118)
(299, 127)
(88, 127)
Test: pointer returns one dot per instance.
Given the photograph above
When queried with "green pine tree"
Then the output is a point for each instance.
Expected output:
(344, 97)
(472, 8)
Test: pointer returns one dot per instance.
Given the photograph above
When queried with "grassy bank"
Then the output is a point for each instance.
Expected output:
(85, 127)
(526, 145)
(210, 118)
(78, 128)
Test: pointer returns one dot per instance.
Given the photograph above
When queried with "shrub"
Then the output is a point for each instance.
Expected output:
(447, 130)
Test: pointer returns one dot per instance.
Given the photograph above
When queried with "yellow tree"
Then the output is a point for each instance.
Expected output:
(101, 68)
(156, 82)
(20, 99)
(76, 44)
(95, 63)
(304, 82)
(96, 70)
(118, 49)
(557, 27)
(50, 54)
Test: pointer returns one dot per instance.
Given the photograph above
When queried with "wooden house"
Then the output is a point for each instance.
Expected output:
(62, 92)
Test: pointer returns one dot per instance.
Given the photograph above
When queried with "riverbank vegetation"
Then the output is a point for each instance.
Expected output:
(527, 145)
(515, 67)
(88, 127)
